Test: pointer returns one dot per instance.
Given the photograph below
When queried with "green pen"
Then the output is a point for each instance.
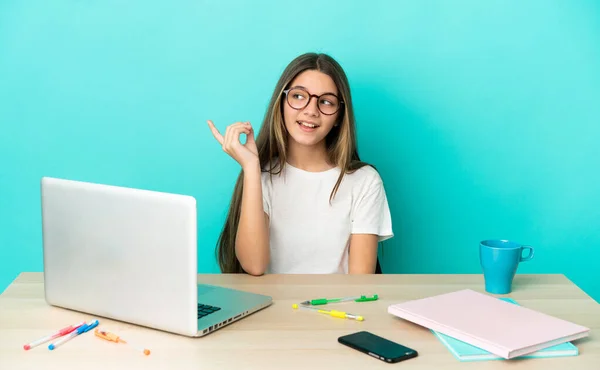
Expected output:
(321, 301)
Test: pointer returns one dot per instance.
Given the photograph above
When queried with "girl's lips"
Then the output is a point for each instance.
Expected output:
(307, 128)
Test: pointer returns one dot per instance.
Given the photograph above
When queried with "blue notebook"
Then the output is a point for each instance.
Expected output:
(466, 352)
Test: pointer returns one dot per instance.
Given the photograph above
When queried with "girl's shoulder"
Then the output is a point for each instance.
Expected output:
(365, 173)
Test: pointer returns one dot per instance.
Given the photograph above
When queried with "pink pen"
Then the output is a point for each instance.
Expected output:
(60, 333)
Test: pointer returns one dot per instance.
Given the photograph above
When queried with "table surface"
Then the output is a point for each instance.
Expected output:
(279, 337)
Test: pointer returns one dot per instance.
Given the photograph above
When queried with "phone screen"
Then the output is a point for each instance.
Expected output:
(378, 347)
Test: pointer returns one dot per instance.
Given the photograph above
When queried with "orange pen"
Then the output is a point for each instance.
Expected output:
(115, 338)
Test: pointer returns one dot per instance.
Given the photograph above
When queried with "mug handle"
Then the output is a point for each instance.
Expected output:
(529, 256)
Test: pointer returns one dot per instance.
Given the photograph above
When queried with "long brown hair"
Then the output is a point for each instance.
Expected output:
(272, 142)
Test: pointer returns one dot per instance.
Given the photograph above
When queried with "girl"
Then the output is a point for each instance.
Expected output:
(303, 202)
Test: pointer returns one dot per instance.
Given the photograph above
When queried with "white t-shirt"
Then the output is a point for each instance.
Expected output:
(310, 235)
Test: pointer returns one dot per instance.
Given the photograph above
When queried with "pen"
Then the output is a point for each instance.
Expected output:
(334, 313)
(321, 301)
(82, 329)
(59, 333)
(103, 334)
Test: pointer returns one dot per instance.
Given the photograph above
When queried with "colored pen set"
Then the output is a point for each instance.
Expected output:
(308, 305)
(65, 334)
(80, 330)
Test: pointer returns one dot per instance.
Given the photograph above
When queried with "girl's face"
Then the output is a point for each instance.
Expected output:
(309, 124)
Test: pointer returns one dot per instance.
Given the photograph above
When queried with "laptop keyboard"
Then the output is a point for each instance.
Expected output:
(204, 310)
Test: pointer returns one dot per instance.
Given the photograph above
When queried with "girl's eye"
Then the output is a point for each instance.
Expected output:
(298, 96)
(326, 102)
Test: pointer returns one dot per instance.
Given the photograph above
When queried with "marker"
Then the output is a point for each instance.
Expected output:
(322, 301)
(103, 334)
(333, 313)
(82, 329)
(59, 333)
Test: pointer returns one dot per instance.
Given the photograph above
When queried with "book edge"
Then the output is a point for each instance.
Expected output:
(454, 333)
(572, 351)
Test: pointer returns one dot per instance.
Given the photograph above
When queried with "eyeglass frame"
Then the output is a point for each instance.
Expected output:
(310, 96)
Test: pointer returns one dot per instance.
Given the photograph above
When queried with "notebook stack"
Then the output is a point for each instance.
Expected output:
(475, 327)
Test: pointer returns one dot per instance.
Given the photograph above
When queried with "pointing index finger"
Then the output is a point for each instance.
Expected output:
(215, 132)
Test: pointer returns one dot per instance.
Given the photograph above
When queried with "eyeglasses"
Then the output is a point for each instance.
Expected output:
(298, 98)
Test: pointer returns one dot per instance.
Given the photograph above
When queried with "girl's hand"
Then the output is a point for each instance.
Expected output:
(245, 154)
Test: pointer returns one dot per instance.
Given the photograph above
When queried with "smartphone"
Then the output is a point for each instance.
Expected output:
(378, 347)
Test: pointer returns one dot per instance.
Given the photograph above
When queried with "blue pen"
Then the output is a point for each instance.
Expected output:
(82, 329)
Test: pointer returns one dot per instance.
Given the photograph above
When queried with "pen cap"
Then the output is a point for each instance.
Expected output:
(364, 298)
(82, 328)
(106, 335)
(91, 326)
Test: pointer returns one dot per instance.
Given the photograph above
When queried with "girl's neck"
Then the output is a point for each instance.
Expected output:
(308, 158)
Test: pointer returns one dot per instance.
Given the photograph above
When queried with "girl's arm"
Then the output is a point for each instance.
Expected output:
(252, 235)
(252, 240)
(371, 224)
(362, 257)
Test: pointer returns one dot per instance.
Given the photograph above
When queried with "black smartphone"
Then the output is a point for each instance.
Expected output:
(378, 347)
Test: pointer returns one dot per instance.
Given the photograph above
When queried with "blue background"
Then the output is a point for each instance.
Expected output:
(482, 116)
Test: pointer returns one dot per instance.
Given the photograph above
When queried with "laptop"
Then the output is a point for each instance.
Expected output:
(131, 255)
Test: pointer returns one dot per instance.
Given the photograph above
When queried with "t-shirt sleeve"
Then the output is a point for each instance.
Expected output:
(371, 214)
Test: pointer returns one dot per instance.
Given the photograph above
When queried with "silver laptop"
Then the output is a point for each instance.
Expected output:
(131, 255)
